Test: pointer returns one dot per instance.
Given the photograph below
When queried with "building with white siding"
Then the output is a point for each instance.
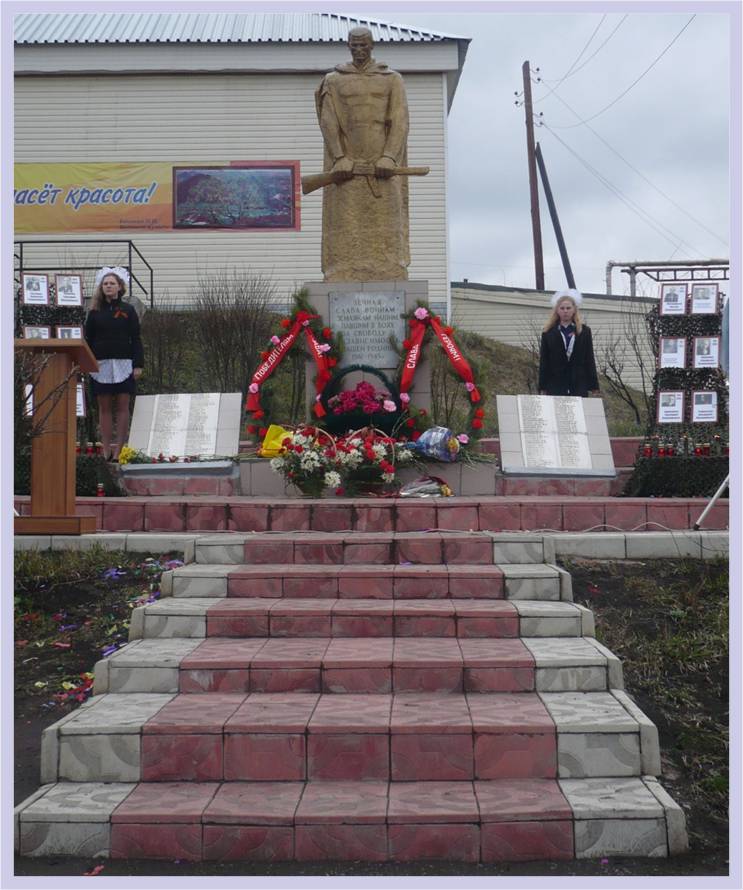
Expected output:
(211, 89)
(516, 316)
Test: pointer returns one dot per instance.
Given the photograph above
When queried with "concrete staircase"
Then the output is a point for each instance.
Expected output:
(357, 696)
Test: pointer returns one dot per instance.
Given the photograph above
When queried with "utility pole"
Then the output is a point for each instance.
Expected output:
(533, 188)
(555, 219)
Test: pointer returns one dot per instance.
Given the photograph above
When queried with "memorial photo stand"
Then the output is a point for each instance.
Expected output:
(53, 450)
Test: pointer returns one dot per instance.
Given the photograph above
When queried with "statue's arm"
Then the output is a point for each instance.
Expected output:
(330, 128)
(397, 122)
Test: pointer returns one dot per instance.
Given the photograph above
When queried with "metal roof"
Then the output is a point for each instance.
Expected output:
(67, 28)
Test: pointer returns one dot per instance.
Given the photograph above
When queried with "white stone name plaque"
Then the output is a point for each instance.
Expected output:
(187, 424)
(554, 435)
(367, 320)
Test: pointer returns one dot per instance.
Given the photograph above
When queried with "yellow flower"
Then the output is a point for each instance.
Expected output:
(126, 454)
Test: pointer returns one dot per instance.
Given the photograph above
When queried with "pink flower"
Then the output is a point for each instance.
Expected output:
(463, 438)
(389, 405)
(253, 388)
(275, 340)
(404, 398)
(420, 313)
(318, 397)
(469, 386)
(305, 323)
(323, 347)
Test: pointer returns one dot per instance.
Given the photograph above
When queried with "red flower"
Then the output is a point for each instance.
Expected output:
(479, 413)
(251, 428)
(262, 431)
(340, 492)
(410, 423)
(415, 435)
(299, 449)
(448, 330)
(264, 356)
(285, 443)
(284, 322)
(406, 344)
(258, 414)
(423, 412)
(476, 424)
(327, 333)
(332, 362)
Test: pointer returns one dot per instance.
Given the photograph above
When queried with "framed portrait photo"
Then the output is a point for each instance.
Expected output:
(672, 352)
(704, 406)
(673, 298)
(35, 289)
(80, 400)
(706, 352)
(69, 290)
(670, 406)
(69, 332)
(36, 332)
(704, 298)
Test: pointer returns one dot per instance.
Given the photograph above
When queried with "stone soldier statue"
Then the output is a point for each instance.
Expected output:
(363, 114)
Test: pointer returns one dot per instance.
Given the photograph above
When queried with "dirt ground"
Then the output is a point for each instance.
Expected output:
(662, 618)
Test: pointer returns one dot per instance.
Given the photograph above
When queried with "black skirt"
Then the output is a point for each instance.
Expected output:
(129, 385)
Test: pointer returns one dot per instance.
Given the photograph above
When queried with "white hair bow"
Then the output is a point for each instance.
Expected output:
(119, 271)
(571, 293)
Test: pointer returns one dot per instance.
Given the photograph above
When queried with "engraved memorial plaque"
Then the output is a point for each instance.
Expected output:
(366, 321)
(184, 424)
(553, 436)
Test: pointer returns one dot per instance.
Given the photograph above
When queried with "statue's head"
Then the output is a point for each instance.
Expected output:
(360, 43)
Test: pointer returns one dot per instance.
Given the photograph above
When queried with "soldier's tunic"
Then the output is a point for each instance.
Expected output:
(363, 114)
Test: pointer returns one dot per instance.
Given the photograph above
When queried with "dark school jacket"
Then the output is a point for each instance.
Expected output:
(113, 332)
(560, 377)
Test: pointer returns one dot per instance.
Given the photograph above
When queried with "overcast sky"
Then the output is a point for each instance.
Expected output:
(672, 127)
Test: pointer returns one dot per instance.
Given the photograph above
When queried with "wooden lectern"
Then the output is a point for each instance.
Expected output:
(53, 452)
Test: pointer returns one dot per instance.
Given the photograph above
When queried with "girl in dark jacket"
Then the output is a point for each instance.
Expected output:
(566, 363)
(112, 332)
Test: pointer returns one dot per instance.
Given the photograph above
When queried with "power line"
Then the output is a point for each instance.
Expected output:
(581, 67)
(643, 214)
(577, 59)
(633, 84)
(642, 175)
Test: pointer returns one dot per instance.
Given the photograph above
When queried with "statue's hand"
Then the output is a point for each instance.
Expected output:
(385, 167)
(343, 168)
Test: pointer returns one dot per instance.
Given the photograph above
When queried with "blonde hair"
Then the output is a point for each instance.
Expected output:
(554, 318)
(98, 297)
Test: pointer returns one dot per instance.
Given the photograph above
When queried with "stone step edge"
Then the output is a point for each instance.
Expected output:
(610, 544)
(551, 666)
(616, 817)
(569, 717)
(213, 579)
(190, 616)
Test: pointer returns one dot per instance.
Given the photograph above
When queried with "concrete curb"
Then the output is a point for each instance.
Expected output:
(597, 545)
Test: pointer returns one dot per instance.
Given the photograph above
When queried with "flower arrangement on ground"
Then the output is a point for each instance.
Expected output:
(367, 461)
(308, 459)
(364, 397)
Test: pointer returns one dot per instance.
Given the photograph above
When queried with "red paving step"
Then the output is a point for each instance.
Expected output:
(512, 512)
(368, 582)
(480, 821)
(399, 548)
(303, 736)
(362, 618)
(368, 665)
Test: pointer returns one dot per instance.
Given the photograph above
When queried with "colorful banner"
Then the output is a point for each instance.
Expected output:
(155, 196)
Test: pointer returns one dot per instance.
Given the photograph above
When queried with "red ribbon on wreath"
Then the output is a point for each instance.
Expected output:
(278, 353)
(414, 346)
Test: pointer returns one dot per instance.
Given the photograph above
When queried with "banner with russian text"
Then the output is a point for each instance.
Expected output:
(156, 196)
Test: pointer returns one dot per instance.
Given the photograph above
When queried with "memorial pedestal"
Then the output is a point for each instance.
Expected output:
(53, 452)
(366, 313)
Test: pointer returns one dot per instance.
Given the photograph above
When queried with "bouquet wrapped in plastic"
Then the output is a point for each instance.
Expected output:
(438, 443)
(426, 487)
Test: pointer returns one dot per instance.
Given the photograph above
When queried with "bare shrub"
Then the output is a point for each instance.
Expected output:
(231, 323)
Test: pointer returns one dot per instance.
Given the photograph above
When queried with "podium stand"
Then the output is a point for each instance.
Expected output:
(53, 452)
